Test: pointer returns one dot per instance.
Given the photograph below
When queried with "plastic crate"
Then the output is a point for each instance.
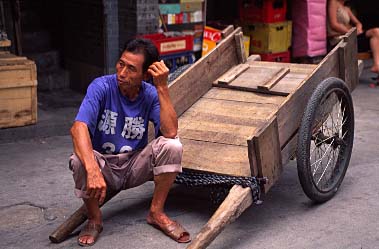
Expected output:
(266, 11)
(175, 61)
(269, 37)
(276, 57)
(171, 45)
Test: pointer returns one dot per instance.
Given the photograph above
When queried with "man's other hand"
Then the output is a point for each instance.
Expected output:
(96, 186)
(159, 72)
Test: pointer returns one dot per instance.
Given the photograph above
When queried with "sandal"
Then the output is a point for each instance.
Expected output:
(174, 230)
(90, 229)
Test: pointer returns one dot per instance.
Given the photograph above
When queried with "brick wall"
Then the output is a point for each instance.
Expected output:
(112, 34)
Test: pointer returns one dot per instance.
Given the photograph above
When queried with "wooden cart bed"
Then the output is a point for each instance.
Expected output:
(239, 116)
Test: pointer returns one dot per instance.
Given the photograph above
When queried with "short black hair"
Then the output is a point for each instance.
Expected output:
(146, 48)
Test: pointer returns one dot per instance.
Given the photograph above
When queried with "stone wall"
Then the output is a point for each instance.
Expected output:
(137, 17)
(84, 41)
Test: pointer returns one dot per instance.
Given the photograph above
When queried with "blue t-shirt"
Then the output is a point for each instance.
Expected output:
(116, 124)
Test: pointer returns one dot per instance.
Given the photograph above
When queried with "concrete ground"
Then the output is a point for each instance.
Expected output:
(37, 193)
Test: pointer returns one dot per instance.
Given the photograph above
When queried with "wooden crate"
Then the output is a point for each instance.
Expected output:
(18, 91)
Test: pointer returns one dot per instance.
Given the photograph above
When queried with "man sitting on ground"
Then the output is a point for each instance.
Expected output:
(110, 138)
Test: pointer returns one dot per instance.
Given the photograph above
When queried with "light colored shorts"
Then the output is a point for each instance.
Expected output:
(128, 170)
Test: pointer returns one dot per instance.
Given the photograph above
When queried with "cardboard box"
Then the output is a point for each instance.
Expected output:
(169, 9)
(191, 6)
(211, 37)
(18, 91)
(269, 37)
(246, 44)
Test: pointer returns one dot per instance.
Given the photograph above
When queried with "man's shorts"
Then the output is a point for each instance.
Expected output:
(128, 170)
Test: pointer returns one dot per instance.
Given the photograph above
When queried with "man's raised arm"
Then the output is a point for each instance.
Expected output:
(168, 118)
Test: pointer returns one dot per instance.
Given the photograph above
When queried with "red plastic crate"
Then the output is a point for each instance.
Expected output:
(277, 57)
(265, 11)
(171, 45)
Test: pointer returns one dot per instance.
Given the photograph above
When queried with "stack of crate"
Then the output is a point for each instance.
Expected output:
(183, 21)
(270, 33)
(18, 91)
(175, 50)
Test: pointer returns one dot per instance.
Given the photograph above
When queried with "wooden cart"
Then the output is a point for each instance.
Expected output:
(242, 117)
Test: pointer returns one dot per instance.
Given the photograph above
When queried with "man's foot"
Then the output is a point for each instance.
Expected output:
(89, 234)
(169, 227)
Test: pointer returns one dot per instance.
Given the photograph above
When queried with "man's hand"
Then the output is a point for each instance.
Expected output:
(96, 186)
(159, 71)
(359, 29)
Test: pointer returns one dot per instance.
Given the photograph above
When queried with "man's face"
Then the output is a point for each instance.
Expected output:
(129, 71)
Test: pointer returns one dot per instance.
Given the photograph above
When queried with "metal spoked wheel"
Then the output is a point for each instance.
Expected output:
(325, 140)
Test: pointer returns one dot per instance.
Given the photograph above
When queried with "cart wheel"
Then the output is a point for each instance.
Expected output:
(325, 140)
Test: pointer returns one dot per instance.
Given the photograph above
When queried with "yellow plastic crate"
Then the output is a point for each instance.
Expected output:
(269, 37)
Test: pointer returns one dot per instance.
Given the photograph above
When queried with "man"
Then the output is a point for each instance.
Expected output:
(110, 139)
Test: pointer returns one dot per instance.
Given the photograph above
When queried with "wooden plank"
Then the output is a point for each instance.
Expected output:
(217, 129)
(197, 80)
(215, 158)
(253, 160)
(11, 57)
(256, 76)
(15, 76)
(296, 68)
(289, 150)
(234, 109)
(15, 61)
(5, 43)
(291, 111)
(253, 90)
(18, 106)
(361, 66)
(275, 79)
(232, 74)
(237, 201)
(253, 57)
(341, 57)
(289, 83)
(240, 48)
(74, 221)
(351, 70)
(218, 118)
(17, 25)
(227, 31)
(268, 153)
(248, 97)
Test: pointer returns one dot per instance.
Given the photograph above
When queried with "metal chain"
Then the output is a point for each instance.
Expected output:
(219, 183)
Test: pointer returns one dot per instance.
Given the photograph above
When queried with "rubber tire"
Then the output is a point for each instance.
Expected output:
(305, 134)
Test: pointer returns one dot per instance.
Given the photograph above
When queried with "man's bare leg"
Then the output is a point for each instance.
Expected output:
(373, 34)
(163, 183)
(94, 216)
